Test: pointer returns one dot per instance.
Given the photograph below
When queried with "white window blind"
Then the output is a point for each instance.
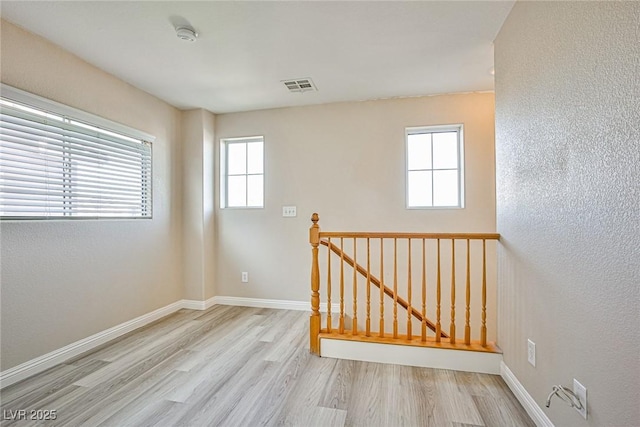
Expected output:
(56, 166)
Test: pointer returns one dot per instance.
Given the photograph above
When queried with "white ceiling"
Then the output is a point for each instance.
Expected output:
(352, 50)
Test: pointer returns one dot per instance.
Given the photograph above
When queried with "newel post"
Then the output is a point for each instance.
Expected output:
(314, 239)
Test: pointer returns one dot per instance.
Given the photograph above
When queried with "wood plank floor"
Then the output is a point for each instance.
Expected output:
(238, 366)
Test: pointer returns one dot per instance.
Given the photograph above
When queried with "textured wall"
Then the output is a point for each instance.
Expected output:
(65, 280)
(345, 161)
(568, 197)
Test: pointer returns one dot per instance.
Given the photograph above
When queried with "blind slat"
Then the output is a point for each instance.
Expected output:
(57, 139)
(40, 131)
(117, 204)
(59, 178)
(60, 186)
(66, 148)
(103, 194)
(65, 175)
(39, 211)
(9, 115)
(84, 168)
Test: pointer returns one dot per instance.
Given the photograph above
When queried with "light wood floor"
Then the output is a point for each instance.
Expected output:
(236, 366)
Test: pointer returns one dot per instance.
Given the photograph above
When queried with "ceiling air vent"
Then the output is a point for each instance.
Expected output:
(300, 85)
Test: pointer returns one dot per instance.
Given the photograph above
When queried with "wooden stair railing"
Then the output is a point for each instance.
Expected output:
(377, 283)
(440, 339)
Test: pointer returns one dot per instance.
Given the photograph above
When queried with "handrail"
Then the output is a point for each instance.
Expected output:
(374, 280)
(392, 235)
(439, 288)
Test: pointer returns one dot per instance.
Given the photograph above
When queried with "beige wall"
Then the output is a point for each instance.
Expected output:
(65, 280)
(568, 168)
(345, 161)
(198, 256)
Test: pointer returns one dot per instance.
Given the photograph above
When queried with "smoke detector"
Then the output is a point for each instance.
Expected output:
(186, 33)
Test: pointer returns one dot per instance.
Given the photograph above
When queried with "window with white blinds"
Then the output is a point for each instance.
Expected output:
(56, 166)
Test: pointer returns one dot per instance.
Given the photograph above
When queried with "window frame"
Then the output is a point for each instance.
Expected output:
(417, 130)
(224, 167)
(80, 118)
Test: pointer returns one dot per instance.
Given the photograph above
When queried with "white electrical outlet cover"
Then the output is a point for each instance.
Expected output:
(531, 353)
(581, 393)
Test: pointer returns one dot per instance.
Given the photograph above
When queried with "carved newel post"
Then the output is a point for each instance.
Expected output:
(314, 239)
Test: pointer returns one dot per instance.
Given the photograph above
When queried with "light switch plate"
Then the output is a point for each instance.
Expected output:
(289, 211)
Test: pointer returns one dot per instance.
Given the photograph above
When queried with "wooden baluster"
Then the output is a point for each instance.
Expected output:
(467, 325)
(329, 285)
(354, 328)
(395, 288)
(341, 324)
(438, 326)
(452, 329)
(424, 294)
(381, 288)
(368, 321)
(483, 329)
(314, 321)
(409, 332)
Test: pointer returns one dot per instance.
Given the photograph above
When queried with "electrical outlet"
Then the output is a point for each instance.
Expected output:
(581, 393)
(245, 277)
(531, 353)
(289, 211)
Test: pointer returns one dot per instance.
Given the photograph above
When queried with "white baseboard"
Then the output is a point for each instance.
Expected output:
(46, 361)
(272, 303)
(425, 357)
(535, 412)
(198, 305)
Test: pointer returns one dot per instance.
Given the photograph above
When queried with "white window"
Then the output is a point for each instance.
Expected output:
(435, 176)
(242, 172)
(58, 162)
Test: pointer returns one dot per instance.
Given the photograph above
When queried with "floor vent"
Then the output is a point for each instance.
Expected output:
(300, 85)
